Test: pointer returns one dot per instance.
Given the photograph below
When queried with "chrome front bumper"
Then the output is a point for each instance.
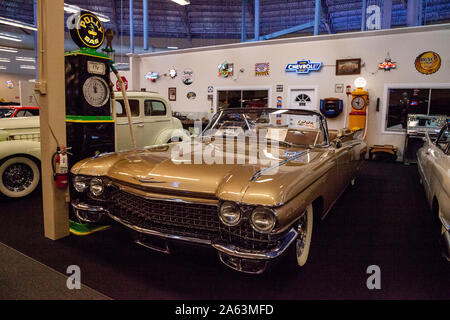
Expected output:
(232, 256)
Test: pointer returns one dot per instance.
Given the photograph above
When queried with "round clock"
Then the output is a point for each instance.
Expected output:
(96, 91)
(358, 103)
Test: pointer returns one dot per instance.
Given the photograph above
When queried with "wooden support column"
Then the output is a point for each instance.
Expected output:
(51, 88)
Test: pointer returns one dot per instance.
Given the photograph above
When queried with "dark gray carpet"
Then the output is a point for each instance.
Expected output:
(384, 220)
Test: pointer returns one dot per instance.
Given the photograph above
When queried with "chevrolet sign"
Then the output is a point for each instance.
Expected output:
(303, 66)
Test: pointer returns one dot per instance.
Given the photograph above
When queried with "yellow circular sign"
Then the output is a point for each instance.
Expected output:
(88, 31)
(428, 62)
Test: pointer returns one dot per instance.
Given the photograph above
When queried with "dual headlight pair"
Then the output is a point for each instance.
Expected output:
(95, 185)
(261, 219)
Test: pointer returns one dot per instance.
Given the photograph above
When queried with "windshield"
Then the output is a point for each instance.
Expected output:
(6, 113)
(292, 127)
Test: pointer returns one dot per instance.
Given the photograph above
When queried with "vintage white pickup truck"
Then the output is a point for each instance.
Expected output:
(20, 152)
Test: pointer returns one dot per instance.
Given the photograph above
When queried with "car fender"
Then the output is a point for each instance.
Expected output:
(166, 134)
(20, 147)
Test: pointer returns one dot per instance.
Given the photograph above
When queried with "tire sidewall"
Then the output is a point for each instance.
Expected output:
(36, 176)
(303, 258)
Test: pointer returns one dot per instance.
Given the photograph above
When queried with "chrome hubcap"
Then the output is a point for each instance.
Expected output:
(17, 177)
(302, 231)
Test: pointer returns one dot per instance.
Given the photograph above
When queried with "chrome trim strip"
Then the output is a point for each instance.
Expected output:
(445, 224)
(279, 164)
(237, 252)
(77, 205)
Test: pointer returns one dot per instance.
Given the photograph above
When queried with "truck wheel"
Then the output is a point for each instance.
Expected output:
(19, 176)
(303, 242)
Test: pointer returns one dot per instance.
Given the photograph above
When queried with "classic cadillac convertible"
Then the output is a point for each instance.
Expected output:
(249, 185)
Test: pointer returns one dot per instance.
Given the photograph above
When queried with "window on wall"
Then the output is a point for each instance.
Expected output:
(243, 98)
(402, 102)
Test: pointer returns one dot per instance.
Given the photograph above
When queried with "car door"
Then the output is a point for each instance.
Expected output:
(425, 162)
(156, 119)
(123, 137)
(437, 157)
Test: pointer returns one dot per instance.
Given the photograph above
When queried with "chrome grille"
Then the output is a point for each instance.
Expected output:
(185, 219)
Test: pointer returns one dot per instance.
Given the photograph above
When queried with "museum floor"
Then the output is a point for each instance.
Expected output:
(383, 220)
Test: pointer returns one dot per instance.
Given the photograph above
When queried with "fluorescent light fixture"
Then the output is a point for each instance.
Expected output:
(69, 8)
(182, 2)
(28, 67)
(18, 24)
(5, 60)
(25, 59)
(7, 49)
(10, 37)
(172, 48)
(2, 68)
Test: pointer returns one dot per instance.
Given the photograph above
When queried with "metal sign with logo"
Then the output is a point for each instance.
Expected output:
(303, 66)
(428, 62)
(262, 69)
(125, 84)
(187, 76)
(88, 31)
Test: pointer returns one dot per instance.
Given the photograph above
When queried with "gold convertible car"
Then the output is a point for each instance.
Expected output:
(249, 185)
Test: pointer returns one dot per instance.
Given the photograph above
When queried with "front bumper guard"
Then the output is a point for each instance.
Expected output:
(234, 257)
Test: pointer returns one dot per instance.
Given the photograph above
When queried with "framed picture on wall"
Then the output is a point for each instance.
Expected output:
(339, 88)
(348, 66)
(172, 94)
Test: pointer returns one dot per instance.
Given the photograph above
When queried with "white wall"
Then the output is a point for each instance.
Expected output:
(403, 45)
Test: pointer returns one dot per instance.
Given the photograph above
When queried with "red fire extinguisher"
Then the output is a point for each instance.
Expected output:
(60, 168)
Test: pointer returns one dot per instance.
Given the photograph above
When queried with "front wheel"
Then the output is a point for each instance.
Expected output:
(19, 176)
(303, 242)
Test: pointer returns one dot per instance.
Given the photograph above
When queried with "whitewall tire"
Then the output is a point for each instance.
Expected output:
(303, 242)
(19, 176)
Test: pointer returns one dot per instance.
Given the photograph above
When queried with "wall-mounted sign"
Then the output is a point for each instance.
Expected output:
(10, 84)
(226, 69)
(172, 94)
(191, 95)
(279, 88)
(87, 30)
(339, 88)
(262, 69)
(428, 62)
(303, 66)
(187, 77)
(152, 76)
(172, 73)
(387, 65)
(125, 84)
(348, 66)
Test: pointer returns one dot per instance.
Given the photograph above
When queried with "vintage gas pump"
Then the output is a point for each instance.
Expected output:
(90, 125)
(359, 103)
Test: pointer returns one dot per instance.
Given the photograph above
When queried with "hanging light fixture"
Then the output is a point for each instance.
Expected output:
(182, 2)
(10, 37)
(69, 8)
(8, 49)
(18, 24)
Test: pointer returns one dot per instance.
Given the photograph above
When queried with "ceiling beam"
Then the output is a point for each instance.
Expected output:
(327, 17)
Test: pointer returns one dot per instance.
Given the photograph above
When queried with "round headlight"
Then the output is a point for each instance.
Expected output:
(229, 213)
(97, 187)
(80, 184)
(263, 220)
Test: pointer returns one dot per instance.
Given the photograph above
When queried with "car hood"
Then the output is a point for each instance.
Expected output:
(173, 169)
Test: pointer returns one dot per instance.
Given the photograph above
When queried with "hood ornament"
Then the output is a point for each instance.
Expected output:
(148, 180)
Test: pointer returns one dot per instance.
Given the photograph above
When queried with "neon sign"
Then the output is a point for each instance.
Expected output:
(303, 66)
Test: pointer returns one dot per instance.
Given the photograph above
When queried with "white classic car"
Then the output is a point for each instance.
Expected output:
(20, 139)
(434, 168)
